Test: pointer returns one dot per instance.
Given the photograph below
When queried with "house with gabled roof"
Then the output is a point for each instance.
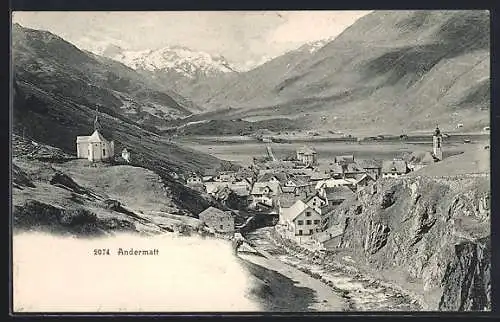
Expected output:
(265, 192)
(218, 220)
(372, 167)
(278, 177)
(316, 201)
(194, 178)
(394, 168)
(297, 181)
(349, 182)
(363, 180)
(284, 202)
(320, 175)
(301, 221)
(307, 155)
(336, 170)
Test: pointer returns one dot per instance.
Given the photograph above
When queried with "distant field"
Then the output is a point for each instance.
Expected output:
(243, 152)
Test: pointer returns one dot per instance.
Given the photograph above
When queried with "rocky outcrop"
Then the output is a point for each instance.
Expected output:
(467, 278)
(20, 178)
(39, 216)
(434, 230)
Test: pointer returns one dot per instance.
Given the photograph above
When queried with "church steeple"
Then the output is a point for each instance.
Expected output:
(437, 142)
(97, 125)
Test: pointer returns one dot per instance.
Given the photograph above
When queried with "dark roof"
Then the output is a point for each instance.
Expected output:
(282, 177)
(361, 176)
(299, 180)
(258, 188)
(395, 166)
(369, 164)
(320, 176)
(344, 158)
(314, 195)
(287, 200)
(336, 168)
(353, 168)
(326, 209)
(338, 193)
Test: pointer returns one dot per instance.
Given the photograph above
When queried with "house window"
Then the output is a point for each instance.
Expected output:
(300, 222)
(308, 214)
(103, 152)
(221, 227)
(311, 232)
(316, 221)
(308, 222)
(300, 232)
(314, 203)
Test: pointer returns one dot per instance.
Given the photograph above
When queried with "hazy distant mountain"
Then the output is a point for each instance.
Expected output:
(182, 60)
(255, 82)
(397, 70)
(176, 68)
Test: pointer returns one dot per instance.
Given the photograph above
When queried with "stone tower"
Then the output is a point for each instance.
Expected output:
(437, 144)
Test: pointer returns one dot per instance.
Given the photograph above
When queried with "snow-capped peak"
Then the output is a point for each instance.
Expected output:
(179, 59)
(317, 44)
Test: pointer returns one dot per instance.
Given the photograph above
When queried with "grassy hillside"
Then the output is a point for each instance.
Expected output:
(404, 70)
(475, 161)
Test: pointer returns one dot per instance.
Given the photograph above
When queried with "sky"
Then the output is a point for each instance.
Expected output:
(244, 38)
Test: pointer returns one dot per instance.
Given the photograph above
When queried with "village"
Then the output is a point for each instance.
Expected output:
(299, 191)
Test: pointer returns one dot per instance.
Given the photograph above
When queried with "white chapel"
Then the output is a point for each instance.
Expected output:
(94, 147)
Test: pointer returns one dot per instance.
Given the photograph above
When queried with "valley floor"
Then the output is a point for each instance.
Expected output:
(289, 289)
(360, 293)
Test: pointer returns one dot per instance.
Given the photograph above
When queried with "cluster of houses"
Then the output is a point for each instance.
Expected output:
(302, 192)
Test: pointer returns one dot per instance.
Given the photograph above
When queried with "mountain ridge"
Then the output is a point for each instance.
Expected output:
(402, 70)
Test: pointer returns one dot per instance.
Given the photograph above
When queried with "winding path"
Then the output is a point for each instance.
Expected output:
(326, 299)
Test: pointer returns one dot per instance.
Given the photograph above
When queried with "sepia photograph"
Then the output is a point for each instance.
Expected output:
(250, 161)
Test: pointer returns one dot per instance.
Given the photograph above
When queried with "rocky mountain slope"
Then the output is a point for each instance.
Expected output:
(404, 70)
(58, 68)
(427, 233)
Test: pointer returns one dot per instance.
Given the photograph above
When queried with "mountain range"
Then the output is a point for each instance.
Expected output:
(394, 71)
(390, 71)
(193, 74)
